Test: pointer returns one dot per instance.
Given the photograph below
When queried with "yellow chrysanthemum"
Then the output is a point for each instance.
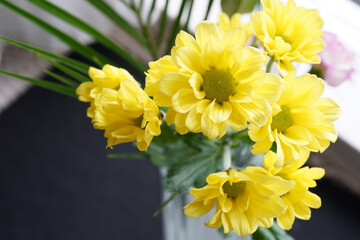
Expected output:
(226, 23)
(108, 77)
(288, 33)
(298, 200)
(127, 115)
(212, 81)
(244, 200)
(301, 120)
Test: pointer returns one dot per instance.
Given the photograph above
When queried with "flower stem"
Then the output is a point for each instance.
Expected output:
(146, 31)
(227, 157)
(269, 65)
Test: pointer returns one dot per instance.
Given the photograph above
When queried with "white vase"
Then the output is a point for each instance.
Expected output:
(177, 226)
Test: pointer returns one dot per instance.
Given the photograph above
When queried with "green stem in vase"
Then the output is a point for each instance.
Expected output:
(269, 65)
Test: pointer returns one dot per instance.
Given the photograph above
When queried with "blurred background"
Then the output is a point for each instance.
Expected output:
(55, 179)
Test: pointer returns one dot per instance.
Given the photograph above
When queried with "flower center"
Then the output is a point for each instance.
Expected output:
(234, 190)
(139, 120)
(282, 120)
(218, 84)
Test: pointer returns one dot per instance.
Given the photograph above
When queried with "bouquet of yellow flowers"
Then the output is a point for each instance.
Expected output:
(211, 103)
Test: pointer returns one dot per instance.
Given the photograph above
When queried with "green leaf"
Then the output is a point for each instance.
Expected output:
(175, 27)
(78, 47)
(273, 233)
(137, 155)
(193, 169)
(118, 20)
(76, 75)
(162, 24)
(280, 233)
(208, 9)
(241, 6)
(45, 84)
(79, 66)
(62, 79)
(189, 15)
(98, 36)
(151, 11)
(263, 234)
(165, 203)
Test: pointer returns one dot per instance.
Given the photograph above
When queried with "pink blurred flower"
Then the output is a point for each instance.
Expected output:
(336, 61)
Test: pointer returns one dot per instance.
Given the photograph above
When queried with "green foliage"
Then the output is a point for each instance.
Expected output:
(135, 155)
(62, 79)
(78, 47)
(74, 74)
(208, 9)
(98, 36)
(188, 158)
(162, 24)
(45, 84)
(175, 27)
(118, 20)
(273, 233)
(241, 6)
(79, 66)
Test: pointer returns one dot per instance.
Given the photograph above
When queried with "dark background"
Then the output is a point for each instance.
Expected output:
(56, 182)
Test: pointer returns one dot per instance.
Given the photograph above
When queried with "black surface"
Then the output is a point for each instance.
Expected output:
(56, 182)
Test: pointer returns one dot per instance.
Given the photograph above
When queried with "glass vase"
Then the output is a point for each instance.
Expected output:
(177, 226)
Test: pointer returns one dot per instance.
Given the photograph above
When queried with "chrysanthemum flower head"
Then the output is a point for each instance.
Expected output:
(120, 107)
(244, 200)
(226, 23)
(288, 33)
(212, 81)
(108, 77)
(298, 200)
(127, 115)
(301, 120)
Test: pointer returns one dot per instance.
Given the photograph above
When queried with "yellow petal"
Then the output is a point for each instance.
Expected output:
(183, 39)
(219, 113)
(215, 221)
(188, 58)
(205, 31)
(170, 83)
(193, 121)
(83, 91)
(225, 203)
(308, 90)
(170, 116)
(180, 126)
(312, 200)
(252, 61)
(196, 81)
(329, 108)
(209, 128)
(240, 223)
(226, 222)
(261, 146)
(302, 211)
(197, 209)
(272, 87)
(236, 120)
(316, 173)
(258, 110)
(243, 93)
(286, 220)
(211, 54)
(297, 135)
(184, 100)
(235, 36)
